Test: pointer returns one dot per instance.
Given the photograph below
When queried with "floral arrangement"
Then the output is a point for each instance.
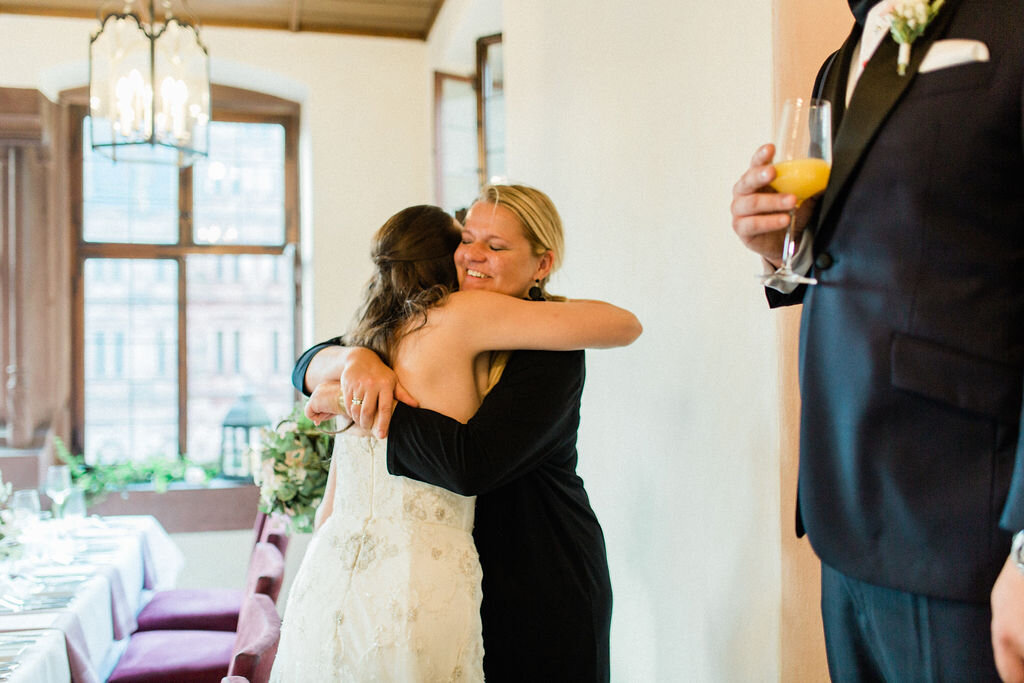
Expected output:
(290, 465)
(907, 20)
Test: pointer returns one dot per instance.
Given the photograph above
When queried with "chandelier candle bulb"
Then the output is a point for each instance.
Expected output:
(149, 88)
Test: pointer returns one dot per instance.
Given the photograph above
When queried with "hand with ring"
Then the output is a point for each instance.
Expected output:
(368, 391)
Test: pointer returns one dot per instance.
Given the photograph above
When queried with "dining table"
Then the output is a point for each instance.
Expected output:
(70, 590)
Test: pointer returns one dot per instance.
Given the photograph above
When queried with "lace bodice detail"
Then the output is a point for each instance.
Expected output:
(366, 490)
(389, 588)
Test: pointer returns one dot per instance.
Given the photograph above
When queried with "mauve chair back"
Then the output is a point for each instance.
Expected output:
(266, 571)
(275, 531)
(257, 526)
(259, 630)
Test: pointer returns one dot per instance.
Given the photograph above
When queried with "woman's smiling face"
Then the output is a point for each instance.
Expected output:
(495, 255)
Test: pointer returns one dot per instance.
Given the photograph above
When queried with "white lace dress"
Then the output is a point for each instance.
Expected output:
(389, 588)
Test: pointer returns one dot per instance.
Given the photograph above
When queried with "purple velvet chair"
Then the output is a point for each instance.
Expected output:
(192, 656)
(259, 630)
(275, 532)
(217, 609)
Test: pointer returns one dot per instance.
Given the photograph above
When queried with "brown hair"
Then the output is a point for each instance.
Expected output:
(413, 252)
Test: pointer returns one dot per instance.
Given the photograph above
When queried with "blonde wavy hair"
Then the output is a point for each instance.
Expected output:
(542, 226)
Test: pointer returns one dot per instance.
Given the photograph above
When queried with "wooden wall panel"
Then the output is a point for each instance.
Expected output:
(806, 32)
(34, 313)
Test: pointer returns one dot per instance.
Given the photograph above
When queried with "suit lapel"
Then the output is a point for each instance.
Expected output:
(879, 89)
(834, 87)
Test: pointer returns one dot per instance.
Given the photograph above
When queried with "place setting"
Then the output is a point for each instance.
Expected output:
(12, 647)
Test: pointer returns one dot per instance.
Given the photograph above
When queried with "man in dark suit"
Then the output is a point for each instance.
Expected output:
(911, 481)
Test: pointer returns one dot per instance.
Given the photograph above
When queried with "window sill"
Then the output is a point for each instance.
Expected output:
(220, 505)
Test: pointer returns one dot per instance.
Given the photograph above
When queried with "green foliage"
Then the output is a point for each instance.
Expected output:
(291, 464)
(97, 481)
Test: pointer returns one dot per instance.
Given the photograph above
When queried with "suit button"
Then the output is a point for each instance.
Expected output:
(824, 261)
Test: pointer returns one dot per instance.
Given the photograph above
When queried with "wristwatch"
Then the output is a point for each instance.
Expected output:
(1017, 550)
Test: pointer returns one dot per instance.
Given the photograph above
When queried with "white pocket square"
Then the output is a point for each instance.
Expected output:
(954, 52)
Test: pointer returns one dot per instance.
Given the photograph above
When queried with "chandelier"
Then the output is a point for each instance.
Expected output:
(149, 87)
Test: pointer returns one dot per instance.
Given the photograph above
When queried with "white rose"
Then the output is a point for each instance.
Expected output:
(267, 472)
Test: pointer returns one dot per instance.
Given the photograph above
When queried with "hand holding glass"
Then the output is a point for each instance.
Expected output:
(58, 486)
(803, 161)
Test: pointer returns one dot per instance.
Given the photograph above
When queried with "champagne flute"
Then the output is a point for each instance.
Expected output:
(803, 161)
(58, 486)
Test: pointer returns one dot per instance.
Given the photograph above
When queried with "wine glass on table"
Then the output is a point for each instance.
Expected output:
(58, 487)
(803, 161)
(25, 506)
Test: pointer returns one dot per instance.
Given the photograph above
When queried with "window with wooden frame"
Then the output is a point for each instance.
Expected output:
(490, 71)
(456, 165)
(469, 127)
(185, 284)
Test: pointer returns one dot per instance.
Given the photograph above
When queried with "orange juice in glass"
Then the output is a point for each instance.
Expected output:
(803, 161)
(801, 177)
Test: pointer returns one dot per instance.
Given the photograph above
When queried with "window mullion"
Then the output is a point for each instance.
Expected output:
(185, 207)
(185, 233)
(182, 356)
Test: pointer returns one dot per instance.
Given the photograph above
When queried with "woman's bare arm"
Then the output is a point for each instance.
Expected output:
(486, 321)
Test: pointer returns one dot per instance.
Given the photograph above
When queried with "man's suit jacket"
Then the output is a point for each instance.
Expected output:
(912, 343)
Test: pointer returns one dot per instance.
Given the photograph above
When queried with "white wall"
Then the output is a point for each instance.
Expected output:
(637, 118)
(452, 40)
(215, 559)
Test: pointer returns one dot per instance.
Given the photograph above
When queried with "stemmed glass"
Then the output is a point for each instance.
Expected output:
(58, 487)
(803, 161)
(25, 505)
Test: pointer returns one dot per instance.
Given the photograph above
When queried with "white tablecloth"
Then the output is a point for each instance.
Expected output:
(118, 562)
(44, 661)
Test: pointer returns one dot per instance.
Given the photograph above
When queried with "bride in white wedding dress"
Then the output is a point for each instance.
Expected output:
(389, 588)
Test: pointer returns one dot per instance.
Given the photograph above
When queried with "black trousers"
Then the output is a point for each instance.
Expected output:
(881, 634)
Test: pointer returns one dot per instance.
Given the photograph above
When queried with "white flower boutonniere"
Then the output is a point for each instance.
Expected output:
(907, 20)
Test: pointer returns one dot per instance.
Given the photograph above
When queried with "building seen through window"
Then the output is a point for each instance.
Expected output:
(188, 299)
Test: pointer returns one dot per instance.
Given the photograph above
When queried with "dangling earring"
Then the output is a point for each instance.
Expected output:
(536, 293)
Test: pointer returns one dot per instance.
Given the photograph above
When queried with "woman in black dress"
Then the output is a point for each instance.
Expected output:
(546, 592)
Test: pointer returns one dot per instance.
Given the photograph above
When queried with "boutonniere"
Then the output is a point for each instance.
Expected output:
(907, 20)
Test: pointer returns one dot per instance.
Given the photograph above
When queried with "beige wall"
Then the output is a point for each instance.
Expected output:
(806, 32)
